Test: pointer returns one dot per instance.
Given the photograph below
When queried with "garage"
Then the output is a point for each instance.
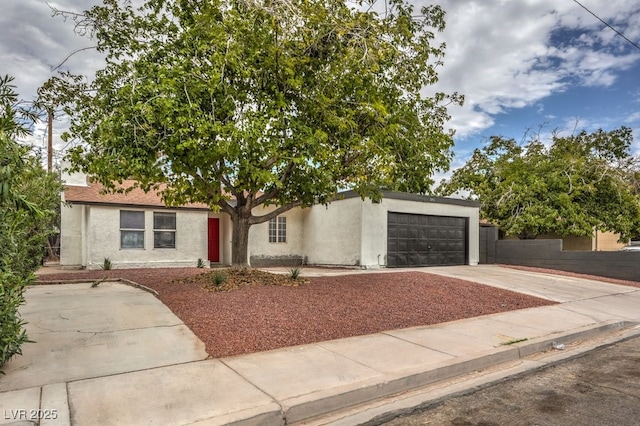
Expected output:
(426, 240)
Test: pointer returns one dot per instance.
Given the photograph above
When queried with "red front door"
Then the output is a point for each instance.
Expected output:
(214, 239)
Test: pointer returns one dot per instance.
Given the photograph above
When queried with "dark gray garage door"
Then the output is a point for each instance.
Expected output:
(422, 240)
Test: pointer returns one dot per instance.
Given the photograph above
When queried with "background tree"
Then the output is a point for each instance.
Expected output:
(577, 184)
(243, 103)
(16, 118)
(54, 96)
(29, 197)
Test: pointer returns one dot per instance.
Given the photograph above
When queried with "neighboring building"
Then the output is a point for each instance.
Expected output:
(136, 230)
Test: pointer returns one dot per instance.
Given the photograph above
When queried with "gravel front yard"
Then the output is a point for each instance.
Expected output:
(261, 318)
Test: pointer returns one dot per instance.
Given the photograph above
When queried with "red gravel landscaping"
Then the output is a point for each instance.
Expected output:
(260, 318)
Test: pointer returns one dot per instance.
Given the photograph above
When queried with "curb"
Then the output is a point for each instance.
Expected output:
(375, 403)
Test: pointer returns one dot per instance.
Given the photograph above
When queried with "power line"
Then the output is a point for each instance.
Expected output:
(601, 20)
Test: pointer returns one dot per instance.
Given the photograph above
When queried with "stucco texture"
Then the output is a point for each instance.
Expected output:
(353, 232)
(92, 234)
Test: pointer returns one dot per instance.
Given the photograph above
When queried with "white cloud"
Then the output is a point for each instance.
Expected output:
(633, 117)
(508, 54)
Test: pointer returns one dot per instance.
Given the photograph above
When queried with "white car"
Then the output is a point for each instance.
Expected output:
(631, 248)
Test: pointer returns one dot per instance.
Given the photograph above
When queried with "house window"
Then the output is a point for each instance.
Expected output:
(164, 230)
(278, 230)
(131, 229)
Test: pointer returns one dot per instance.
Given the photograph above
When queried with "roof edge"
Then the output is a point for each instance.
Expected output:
(406, 196)
(136, 206)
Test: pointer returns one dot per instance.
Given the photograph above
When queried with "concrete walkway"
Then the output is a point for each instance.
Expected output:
(114, 355)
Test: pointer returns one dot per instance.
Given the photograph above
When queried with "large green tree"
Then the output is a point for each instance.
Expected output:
(243, 103)
(571, 187)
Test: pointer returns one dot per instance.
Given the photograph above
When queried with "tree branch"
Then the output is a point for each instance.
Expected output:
(71, 54)
(269, 195)
(253, 220)
(226, 207)
(266, 196)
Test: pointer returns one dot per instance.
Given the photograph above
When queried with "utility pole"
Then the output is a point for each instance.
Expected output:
(50, 141)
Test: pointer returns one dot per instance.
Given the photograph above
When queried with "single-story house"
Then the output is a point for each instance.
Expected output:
(137, 230)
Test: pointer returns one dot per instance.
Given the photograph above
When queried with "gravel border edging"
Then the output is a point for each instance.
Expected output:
(80, 281)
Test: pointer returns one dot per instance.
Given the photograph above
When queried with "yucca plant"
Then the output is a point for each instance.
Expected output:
(106, 264)
(219, 277)
(294, 273)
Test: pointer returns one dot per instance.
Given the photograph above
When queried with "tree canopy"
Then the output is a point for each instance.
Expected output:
(242, 103)
(574, 185)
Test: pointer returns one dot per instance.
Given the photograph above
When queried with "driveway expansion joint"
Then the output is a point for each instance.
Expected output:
(129, 329)
(264, 391)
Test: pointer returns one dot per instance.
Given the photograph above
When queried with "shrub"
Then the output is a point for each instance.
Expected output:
(12, 333)
(294, 273)
(201, 263)
(106, 264)
(219, 277)
(29, 206)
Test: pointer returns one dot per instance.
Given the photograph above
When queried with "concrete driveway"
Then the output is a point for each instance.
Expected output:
(91, 332)
(100, 352)
(547, 286)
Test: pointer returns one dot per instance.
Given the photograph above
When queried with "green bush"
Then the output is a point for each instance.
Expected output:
(12, 333)
(106, 264)
(219, 277)
(294, 273)
(29, 208)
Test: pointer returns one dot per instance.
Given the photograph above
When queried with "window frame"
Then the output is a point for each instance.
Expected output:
(132, 230)
(159, 229)
(277, 230)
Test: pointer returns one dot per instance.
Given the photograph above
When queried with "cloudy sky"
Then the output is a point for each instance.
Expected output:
(523, 65)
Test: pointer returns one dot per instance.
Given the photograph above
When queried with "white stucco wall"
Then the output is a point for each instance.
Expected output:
(333, 233)
(103, 239)
(374, 234)
(71, 240)
(226, 228)
(259, 245)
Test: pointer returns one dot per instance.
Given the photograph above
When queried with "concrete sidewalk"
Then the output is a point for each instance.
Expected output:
(115, 355)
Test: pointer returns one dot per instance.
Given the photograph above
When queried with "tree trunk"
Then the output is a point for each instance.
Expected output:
(50, 141)
(240, 243)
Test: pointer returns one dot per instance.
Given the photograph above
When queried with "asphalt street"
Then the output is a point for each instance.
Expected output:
(599, 388)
